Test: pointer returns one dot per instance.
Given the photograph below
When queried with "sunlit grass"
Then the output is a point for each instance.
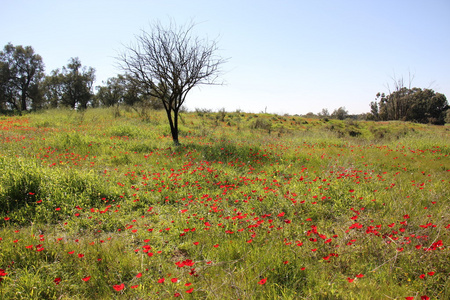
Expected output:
(248, 207)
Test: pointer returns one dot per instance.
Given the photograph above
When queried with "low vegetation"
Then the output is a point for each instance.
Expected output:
(100, 204)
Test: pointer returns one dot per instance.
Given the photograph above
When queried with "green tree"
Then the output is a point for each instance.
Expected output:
(324, 113)
(411, 104)
(53, 89)
(169, 62)
(72, 86)
(113, 92)
(21, 72)
(341, 113)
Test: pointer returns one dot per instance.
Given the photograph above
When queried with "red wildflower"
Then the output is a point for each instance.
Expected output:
(161, 280)
(350, 279)
(262, 281)
(86, 278)
(119, 287)
(190, 290)
(174, 280)
(57, 280)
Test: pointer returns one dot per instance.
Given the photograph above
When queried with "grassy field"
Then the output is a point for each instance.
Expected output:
(101, 205)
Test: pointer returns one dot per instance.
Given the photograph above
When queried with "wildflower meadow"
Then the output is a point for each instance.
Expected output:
(99, 204)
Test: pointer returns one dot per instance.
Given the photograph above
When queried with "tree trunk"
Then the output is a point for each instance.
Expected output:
(173, 126)
(23, 103)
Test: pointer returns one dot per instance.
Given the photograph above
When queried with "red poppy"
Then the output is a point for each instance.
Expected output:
(190, 290)
(161, 280)
(86, 278)
(262, 281)
(119, 287)
(57, 280)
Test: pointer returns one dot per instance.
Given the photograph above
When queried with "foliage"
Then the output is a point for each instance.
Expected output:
(102, 206)
(341, 113)
(21, 71)
(71, 87)
(122, 89)
(416, 105)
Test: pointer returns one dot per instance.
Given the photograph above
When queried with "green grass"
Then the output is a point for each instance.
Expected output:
(248, 207)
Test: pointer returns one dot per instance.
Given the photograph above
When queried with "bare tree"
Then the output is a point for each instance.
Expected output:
(169, 62)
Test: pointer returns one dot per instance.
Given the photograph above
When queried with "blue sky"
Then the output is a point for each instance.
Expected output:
(284, 56)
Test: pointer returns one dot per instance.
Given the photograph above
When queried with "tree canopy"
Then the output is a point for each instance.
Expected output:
(21, 72)
(411, 104)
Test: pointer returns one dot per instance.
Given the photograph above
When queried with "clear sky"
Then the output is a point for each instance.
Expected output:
(285, 56)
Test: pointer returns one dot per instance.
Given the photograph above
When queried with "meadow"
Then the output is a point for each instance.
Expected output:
(100, 204)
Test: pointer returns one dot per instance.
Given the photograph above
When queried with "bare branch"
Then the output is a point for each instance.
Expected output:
(169, 62)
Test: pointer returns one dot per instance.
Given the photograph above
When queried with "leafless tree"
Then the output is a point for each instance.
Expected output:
(169, 62)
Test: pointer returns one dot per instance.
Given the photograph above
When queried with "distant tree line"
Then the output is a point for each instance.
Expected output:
(411, 104)
(24, 85)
